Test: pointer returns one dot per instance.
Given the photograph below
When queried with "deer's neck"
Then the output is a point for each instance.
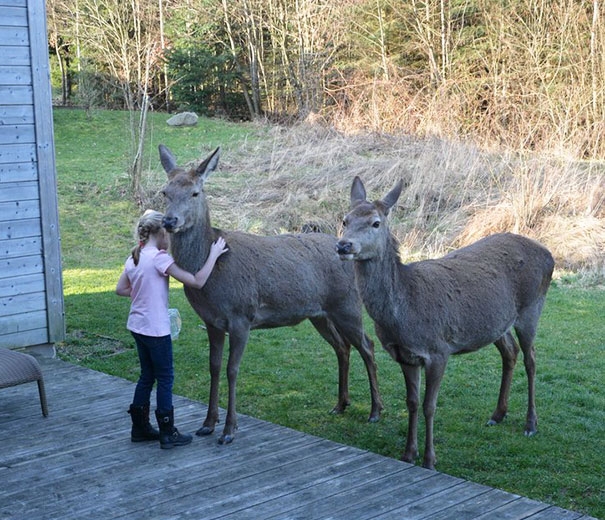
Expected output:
(190, 248)
(379, 282)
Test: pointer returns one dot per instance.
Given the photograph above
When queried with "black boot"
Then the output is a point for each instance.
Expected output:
(141, 428)
(169, 435)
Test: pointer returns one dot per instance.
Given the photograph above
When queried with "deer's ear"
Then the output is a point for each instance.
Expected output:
(390, 199)
(208, 165)
(167, 158)
(358, 192)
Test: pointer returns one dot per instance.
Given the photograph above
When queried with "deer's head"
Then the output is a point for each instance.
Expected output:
(365, 228)
(184, 192)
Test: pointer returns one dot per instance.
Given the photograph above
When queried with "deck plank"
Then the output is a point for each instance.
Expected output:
(79, 463)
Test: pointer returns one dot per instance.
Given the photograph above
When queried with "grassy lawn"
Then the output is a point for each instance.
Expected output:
(289, 375)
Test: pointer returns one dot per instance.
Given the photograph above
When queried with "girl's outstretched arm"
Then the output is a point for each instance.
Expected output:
(199, 279)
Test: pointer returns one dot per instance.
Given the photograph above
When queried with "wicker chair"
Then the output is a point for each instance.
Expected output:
(17, 368)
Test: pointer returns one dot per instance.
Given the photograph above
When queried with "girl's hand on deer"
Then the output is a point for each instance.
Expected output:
(218, 248)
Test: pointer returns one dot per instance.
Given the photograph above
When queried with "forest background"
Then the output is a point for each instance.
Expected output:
(524, 74)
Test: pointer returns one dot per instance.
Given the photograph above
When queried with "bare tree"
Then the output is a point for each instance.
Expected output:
(244, 33)
(527, 74)
(370, 28)
(427, 33)
(125, 39)
(597, 68)
(306, 35)
(59, 31)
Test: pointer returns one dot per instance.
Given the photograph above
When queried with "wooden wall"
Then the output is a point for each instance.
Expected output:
(31, 292)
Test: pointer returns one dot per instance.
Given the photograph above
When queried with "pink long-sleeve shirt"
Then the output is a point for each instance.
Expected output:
(149, 292)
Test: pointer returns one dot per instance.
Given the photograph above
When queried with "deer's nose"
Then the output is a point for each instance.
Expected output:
(343, 247)
(169, 223)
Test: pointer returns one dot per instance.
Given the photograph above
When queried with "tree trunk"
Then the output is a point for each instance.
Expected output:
(238, 68)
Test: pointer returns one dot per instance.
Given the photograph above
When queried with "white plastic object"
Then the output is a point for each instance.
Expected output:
(175, 323)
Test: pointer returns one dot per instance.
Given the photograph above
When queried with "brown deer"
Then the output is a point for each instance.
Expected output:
(425, 311)
(261, 282)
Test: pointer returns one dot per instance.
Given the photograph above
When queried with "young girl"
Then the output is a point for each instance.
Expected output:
(145, 280)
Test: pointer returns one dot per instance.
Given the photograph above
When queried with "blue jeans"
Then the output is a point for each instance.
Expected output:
(155, 358)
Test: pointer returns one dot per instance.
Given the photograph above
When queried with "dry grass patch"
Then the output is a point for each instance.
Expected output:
(299, 178)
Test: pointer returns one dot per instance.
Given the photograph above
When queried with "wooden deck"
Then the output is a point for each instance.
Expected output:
(79, 463)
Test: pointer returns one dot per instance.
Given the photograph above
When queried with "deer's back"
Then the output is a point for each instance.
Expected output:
(276, 280)
(500, 271)
(469, 297)
(503, 261)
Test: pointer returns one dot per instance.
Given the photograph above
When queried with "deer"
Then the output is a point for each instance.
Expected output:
(261, 282)
(425, 311)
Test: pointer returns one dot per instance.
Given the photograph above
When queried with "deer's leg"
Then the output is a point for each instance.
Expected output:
(366, 350)
(216, 339)
(351, 326)
(526, 340)
(343, 351)
(508, 348)
(238, 337)
(412, 386)
(434, 370)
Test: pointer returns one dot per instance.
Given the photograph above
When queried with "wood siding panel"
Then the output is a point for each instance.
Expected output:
(14, 36)
(22, 303)
(17, 153)
(20, 229)
(13, 16)
(14, 56)
(16, 94)
(10, 134)
(18, 172)
(18, 285)
(20, 247)
(19, 210)
(13, 3)
(16, 115)
(15, 74)
(22, 265)
(31, 292)
(23, 338)
(19, 191)
(23, 323)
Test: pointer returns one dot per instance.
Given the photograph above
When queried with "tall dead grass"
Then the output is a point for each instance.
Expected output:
(299, 180)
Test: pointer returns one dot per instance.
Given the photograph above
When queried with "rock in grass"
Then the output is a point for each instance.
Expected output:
(183, 119)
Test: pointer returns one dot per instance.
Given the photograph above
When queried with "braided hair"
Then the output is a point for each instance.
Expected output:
(149, 224)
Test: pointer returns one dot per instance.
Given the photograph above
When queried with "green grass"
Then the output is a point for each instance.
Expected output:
(289, 375)
(96, 214)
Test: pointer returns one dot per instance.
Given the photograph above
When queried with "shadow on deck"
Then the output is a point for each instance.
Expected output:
(79, 463)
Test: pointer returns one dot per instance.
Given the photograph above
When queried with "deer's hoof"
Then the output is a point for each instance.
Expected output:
(374, 418)
(337, 410)
(497, 417)
(226, 439)
(204, 430)
(530, 433)
(428, 465)
(410, 456)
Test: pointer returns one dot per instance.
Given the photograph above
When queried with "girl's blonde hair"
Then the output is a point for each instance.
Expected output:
(149, 224)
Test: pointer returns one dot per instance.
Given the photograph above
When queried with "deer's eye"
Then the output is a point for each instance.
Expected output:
(376, 224)
(195, 193)
(344, 223)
